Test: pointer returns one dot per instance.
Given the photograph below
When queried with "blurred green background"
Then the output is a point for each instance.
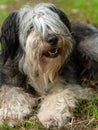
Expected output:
(76, 10)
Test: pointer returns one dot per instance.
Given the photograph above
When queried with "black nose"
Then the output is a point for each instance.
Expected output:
(52, 39)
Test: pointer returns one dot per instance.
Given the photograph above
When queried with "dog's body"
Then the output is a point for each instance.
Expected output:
(40, 59)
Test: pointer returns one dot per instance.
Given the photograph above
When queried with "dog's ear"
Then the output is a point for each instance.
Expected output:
(9, 36)
(62, 16)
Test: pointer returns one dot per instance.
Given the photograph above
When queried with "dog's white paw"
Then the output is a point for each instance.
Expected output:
(54, 120)
(55, 111)
(15, 103)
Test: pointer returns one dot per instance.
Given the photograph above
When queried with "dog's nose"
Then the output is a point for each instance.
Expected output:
(52, 39)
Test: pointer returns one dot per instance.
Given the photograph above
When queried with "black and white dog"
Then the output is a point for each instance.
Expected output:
(40, 59)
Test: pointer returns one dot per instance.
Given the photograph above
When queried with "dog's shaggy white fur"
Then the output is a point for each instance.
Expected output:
(36, 48)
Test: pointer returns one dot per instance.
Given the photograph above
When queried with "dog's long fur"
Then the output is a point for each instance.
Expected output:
(86, 36)
(40, 59)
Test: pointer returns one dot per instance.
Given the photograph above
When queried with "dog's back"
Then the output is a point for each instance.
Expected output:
(86, 37)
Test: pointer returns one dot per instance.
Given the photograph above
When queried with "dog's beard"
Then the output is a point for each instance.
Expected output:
(42, 61)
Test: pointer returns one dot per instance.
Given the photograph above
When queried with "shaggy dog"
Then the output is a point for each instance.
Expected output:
(41, 60)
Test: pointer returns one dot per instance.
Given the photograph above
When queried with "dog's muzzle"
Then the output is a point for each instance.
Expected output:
(52, 39)
(53, 51)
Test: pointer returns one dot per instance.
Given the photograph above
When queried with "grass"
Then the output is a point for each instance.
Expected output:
(88, 109)
(84, 10)
(86, 114)
(77, 10)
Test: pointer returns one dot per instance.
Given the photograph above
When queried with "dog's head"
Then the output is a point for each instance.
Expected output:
(44, 36)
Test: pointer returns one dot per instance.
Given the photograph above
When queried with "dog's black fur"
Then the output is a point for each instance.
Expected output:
(88, 63)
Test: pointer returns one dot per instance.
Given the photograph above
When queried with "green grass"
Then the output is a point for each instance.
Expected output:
(3, 9)
(23, 125)
(81, 10)
(5, 1)
(77, 10)
(88, 109)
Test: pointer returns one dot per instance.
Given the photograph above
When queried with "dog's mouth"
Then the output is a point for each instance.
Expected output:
(52, 53)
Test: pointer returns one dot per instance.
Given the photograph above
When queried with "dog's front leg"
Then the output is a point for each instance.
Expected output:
(57, 109)
(15, 103)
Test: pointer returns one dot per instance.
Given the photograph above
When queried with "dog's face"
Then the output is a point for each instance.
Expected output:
(45, 38)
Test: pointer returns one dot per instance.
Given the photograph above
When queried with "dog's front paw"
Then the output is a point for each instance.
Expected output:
(54, 112)
(15, 104)
(54, 120)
